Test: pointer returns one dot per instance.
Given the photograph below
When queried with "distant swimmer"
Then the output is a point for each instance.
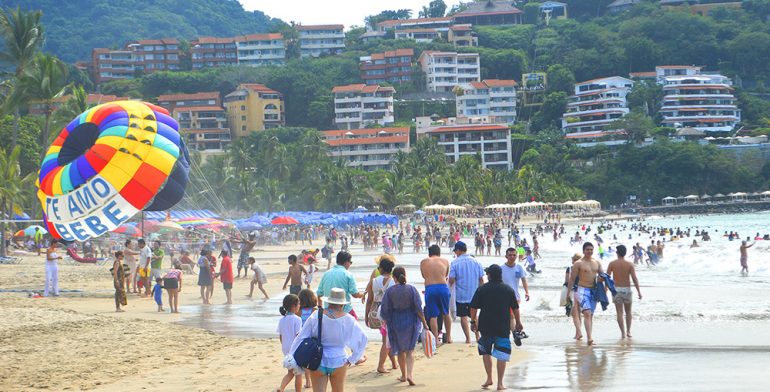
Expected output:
(623, 272)
(745, 258)
(694, 244)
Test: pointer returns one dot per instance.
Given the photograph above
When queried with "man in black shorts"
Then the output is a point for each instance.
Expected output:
(497, 302)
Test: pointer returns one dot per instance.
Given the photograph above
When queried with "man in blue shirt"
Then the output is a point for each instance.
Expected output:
(341, 278)
(466, 274)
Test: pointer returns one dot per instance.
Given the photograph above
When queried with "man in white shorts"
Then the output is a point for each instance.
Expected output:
(623, 272)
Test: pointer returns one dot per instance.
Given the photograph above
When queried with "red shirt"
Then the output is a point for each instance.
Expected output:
(226, 270)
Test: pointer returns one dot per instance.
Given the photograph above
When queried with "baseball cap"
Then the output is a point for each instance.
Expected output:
(494, 268)
(459, 245)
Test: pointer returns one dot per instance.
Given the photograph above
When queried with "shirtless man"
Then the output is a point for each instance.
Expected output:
(435, 271)
(295, 275)
(623, 271)
(246, 246)
(586, 269)
(745, 258)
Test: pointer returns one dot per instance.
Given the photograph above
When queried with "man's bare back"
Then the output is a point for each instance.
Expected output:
(295, 273)
(434, 270)
(621, 271)
(587, 269)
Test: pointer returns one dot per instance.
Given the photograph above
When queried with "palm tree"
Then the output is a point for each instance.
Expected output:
(76, 104)
(22, 35)
(12, 186)
(44, 81)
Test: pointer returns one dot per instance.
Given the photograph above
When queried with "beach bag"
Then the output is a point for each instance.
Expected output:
(428, 343)
(309, 353)
(564, 296)
(374, 313)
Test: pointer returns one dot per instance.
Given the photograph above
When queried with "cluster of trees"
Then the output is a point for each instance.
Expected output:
(77, 26)
(289, 169)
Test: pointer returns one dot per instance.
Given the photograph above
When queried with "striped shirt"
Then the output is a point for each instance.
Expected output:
(466, 272)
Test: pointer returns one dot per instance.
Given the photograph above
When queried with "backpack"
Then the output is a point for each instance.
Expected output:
(309, 353)
(374, 313)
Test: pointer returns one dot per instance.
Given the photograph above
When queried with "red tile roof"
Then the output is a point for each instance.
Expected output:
(360, 88)
(393, 53)
(461, 27)
(186, 97)
(162, 41)
(102, 98)
(500, 82)
(642, 74)
(363, 131)
(257, 87)
(678, 66)
(469, 128)
(213, 40)
(321, 27)
(259, 37)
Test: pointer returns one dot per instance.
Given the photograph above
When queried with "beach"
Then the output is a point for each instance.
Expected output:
(699, 322)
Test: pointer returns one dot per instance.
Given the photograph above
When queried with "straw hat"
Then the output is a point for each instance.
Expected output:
(337, 297)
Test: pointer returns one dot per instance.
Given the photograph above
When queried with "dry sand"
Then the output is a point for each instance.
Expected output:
(78, 342)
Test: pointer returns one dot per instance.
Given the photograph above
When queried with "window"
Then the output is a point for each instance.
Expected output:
(243, 127)
(270, 106)
(243, 107)
(243, 118)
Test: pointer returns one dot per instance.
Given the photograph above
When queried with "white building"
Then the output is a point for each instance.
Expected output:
(491, 142)
(370, 148)
(261, 49)
(491, 101)
(445, 70)
(419, 35)
(359, 105)
(596, 104)
(318, 40)
(701, 101)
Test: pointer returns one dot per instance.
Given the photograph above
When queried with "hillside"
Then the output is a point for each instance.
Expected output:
(74, 27)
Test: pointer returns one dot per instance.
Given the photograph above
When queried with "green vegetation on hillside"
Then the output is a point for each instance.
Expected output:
(74, 27)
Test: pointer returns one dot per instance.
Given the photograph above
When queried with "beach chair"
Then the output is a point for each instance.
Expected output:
(10, 260)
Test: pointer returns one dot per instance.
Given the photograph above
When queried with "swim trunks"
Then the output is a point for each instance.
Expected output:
(744, 261)
(586, 299)
(622, 295)
(436, 300)
(496, 346)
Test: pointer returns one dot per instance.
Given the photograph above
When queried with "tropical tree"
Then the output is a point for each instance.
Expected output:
(12, 187)
(44, 81)
(22, 36)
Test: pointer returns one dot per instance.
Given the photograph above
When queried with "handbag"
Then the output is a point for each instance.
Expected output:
(428, 343)
(375, 322)
(309, 353)
(564, 295)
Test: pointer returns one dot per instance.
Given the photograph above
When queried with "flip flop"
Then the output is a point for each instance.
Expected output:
(517, 338)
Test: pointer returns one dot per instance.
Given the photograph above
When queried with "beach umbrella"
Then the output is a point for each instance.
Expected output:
(284, 220)
(30, 231)
(420, 212)
(360, 209)
(128, 230)
(167, 227)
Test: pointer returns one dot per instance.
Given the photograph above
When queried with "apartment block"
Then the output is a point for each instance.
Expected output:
(261, 49)
(359, 105)
(445, 70)
(370, 149)
(393, 66)
(491, 142)
(209, 52)
(462, 35)
(419, 35)
(254, 107)
(697, 100)
(491, 101)
(596, 104)
(38, 108)
(317, 40)
(202, 120)
(442, 24)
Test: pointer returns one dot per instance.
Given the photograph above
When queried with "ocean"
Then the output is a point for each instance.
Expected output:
(701, 325)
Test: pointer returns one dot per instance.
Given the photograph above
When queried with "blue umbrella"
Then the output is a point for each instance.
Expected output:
(420, 212)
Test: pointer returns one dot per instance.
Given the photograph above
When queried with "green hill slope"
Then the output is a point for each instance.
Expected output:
(74, 27)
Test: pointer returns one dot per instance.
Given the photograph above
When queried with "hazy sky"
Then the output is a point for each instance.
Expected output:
(347, 12)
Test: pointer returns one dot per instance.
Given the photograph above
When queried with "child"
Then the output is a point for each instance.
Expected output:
(307, 305)
(259, 278)
(288, 329)
(157, 293)
(295, 275)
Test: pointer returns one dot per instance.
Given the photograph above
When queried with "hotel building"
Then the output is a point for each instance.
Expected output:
(490, 101)
(596, 104)
(369, 149)
(491, 142)
(261, 49)
(393, 66)
(359, 105)
(202, 120)
(445, 70)
(254, 107)
(320, 40)
(208, 52)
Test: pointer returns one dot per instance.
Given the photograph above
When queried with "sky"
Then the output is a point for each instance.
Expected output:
(347, 12)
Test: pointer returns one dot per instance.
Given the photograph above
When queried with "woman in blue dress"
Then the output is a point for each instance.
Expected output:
(204, 276)
(401, 309)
